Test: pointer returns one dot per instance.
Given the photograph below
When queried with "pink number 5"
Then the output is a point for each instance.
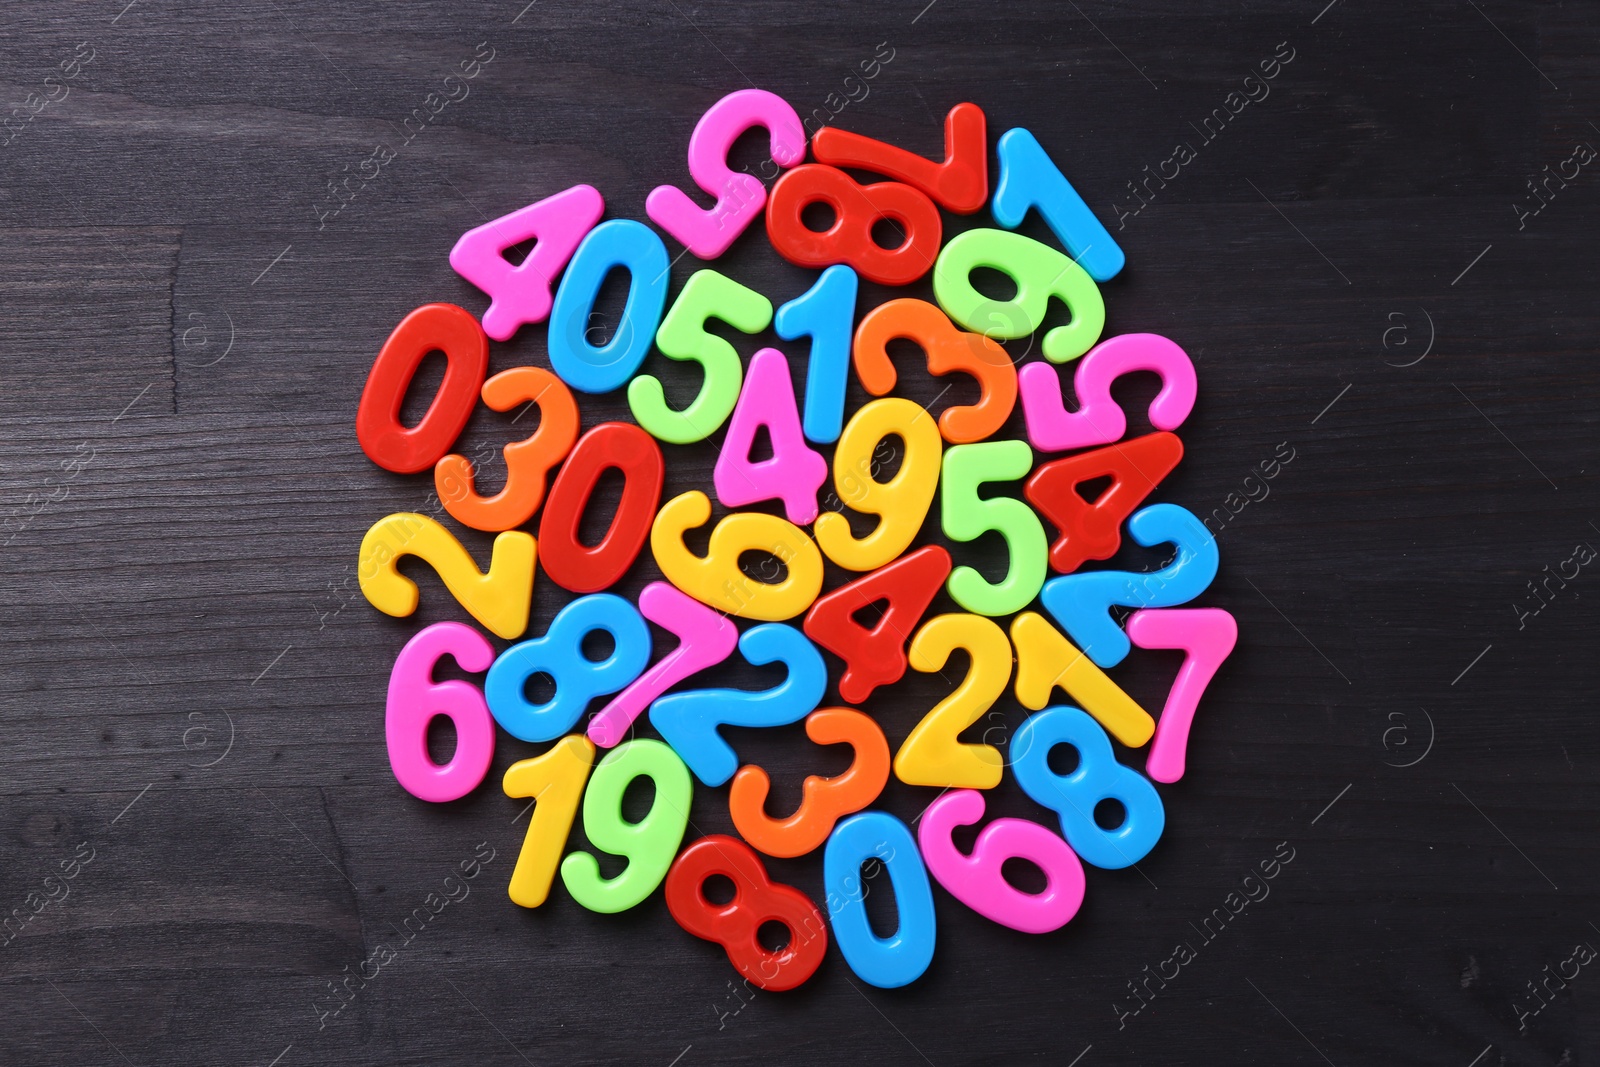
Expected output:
(1207, 635)
(740, 197)
(976, 880)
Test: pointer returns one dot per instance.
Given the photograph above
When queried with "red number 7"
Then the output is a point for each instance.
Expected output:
(960, 183)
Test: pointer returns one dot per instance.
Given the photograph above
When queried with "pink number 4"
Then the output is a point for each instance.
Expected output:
(520, 295)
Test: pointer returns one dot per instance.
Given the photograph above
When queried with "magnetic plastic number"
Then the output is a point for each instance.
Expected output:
(823, 313)
(757, 899)
(1093, 530)
(933, 754)
(826, 800)
(794, 472)
(739, 196)
(901, 503)
(688, 721)
(555, 781)
(977, 881)
(1046, 660)
(704, 639)
(948, 350)
(431, 328)
(900, 958)
(1030, 179)
(648, 844)
(559, 654)
(499, 598)
(716, 579)
(415, 698)
(618, 446)
(1206, 636)
(528, 462)
(1081, 603)
(877, 656)
(965, 517)
(1099, 419)
(857, 210)
(618, 243)
(520, 295)
(683, 336)
(1039, 272)
(960, 183)
(1097, 777)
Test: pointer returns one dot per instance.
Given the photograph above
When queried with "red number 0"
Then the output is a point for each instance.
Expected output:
(432, 327)
(572, 564)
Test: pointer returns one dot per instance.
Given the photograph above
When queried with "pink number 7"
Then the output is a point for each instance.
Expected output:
(705, 638)
(1207, 635)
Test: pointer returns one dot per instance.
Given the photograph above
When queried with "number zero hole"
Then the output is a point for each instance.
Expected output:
(1109, 814)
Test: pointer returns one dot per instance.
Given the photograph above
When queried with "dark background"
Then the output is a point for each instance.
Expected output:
(192, 686)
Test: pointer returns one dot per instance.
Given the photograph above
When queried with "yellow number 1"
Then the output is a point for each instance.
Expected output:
(555, 780)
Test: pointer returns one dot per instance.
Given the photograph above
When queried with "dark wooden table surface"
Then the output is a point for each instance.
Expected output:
(191, 685)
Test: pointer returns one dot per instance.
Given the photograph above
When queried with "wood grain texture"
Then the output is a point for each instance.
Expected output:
(191, 686)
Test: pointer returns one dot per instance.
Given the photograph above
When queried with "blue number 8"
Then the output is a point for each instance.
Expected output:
(1098, 777)
(559, 653)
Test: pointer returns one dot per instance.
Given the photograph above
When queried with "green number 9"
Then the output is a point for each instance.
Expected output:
(650, 844)
(1039, 272)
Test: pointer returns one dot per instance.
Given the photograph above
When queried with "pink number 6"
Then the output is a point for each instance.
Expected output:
(415, 698)
(1099, 419)
(740, 197)
(976, 880)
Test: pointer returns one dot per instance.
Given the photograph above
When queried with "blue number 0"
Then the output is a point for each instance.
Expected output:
(899, 959)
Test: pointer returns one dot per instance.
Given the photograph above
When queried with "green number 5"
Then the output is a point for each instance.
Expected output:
(965, 517)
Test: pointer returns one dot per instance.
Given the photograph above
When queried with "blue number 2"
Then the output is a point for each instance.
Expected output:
(1081, 603)
(689, 721)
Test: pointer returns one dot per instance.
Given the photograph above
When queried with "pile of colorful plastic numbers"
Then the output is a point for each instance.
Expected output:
(1067, 640)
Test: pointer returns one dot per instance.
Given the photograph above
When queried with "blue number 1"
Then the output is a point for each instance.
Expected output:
(823, 313)
(1028, 178)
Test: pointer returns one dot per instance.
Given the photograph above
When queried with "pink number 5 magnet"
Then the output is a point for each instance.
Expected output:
(740, 197)
(1099, 419)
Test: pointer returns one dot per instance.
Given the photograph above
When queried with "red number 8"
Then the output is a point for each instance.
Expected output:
(857, 208)
(756, 900)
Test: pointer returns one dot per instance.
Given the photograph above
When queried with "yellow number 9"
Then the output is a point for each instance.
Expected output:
(901, 503)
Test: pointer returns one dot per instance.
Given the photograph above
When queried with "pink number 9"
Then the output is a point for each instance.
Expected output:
(740, 197)
(976, 880)
(415, 698)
